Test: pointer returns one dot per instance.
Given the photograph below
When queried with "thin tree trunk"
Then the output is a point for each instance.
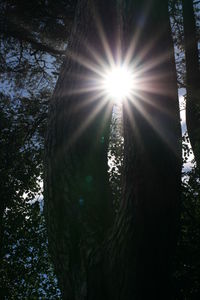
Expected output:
(1, 231)
(77, 192)
(192, 78)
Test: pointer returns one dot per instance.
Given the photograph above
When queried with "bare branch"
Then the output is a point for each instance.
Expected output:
(24, 35)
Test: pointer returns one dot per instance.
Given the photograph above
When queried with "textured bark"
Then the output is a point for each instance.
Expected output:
(77, 192)
(135, 261)
(152, 145)
(192, 78)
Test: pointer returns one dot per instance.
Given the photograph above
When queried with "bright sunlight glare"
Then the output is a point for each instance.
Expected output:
(118, 83)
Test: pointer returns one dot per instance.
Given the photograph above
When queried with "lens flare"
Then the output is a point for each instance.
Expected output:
(118, 83)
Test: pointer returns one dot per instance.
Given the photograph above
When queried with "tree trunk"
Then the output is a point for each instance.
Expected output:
(192, 78)
(152, 145)
(77, 192)
(135, 261)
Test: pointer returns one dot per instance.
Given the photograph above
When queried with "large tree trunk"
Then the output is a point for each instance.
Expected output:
(192, 78)
(152, 145)
(77, 193)
(135, 261)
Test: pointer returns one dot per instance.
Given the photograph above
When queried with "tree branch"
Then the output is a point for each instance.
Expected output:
(196, 2)
(24, 35)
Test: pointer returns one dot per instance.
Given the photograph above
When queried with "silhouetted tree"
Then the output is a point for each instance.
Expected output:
(135, 258)
(78, 195)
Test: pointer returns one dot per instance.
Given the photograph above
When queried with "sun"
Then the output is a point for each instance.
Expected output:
(118, 83)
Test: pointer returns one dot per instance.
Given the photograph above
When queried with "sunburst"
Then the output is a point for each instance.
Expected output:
(113, 79)
(118, 83)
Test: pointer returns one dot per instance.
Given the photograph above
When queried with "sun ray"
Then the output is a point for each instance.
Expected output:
(103, 38)
(90, 99)
(107, 78)
(98, 58)
(118, 82)
(83, 61)
(154, 123)
(130, 52)
(87, 122)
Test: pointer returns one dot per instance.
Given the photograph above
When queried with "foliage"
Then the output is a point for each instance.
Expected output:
(32, 40)
(22, 132)
(26, 272)
(115, 155)
(26, 269)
